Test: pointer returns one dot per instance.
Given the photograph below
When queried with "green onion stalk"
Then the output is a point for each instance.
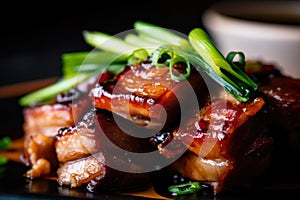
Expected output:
(5, 143)
(185, 188)
(163, 47)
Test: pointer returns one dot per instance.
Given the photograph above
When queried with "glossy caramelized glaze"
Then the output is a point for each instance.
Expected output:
(209, 133)
(223, 139)
(143, 93)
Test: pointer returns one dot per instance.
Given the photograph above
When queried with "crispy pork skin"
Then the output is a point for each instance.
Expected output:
(148, 96)
(223, 140)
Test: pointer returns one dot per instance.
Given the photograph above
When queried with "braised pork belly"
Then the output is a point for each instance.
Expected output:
(148, 96)
(82, 171)
(223, 140)
(77, 148)
(41, 124)
(218, 140)
(78, 141)
(282, 96)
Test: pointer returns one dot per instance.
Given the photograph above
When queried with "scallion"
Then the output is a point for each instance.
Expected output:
(185, 188)
(235, 80)
(141, 42)
(74, 62)
(158, 33)
(5, 142)
(109, 43)
(49, 92)
(162, 55)
(178, 60)
(197, 49)
(137, 57)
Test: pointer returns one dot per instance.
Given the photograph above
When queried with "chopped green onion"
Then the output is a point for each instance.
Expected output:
(150, 39)
(234, 79)
(3, 160)
(49, 92)
(116, 68)
(223, 71)
(185, 188)
(138, 56)
(109, 43)
(178, 59)
(88, 61)
(162, 55)
(160, 34)
(141, 42)
(241, 62)
(164, 47)
(165, 56)
(5, 143)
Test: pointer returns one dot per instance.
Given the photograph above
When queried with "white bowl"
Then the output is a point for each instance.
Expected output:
(268, 31)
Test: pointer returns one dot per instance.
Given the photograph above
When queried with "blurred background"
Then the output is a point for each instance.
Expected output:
(33, 36)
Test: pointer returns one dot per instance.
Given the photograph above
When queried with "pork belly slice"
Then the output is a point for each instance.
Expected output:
(47, 118)
(82, 171)
(282, 94)
(41, 124)
(283, 97)
(77, 141)
(228, 144)
(91, 133)
(98, 134)
(147, 95)
(92, 173)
